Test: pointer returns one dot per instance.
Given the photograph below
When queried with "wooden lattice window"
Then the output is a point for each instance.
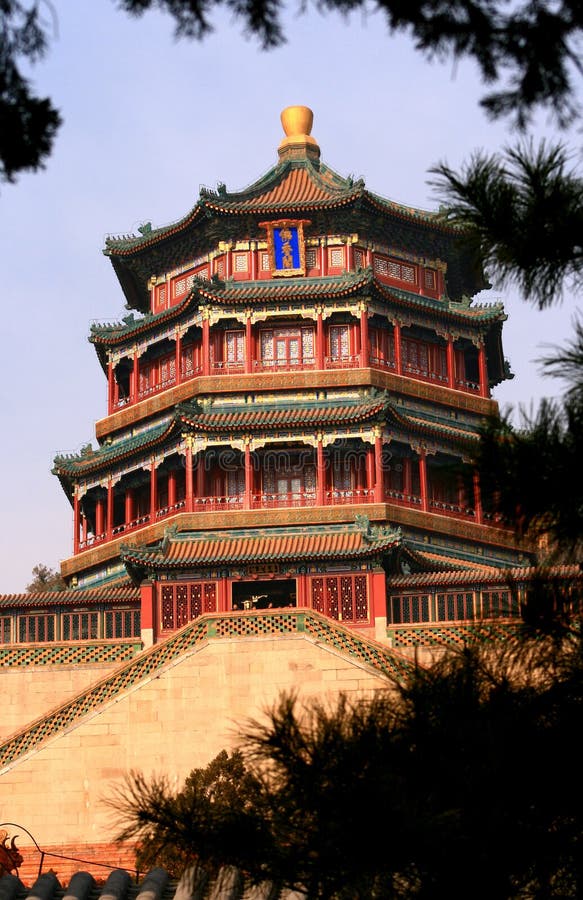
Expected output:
(122, 623)
(235, 346)
(190, 362)
(430, 279)
(168, 369)
(5, 630)
(80, 626)
(181, 603)
(455, 606)
(499, 604)
(410, 608)
(161, 295)
(339, 342)
(311, 258)
(336, 257)
(183, 284)
(287, 346)
(423, 358)
(341, 597)
(36, 628)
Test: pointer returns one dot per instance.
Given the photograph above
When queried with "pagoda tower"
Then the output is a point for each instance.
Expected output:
(281, 496)
(293, 402)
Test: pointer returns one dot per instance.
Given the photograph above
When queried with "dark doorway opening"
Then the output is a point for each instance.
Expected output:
(272, 594)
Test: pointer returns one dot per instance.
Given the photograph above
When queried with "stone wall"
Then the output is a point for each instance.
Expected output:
(177, 719)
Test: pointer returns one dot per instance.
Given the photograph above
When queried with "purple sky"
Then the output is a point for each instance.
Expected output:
(147, 121)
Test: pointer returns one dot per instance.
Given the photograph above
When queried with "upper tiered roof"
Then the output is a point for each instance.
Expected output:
(300, 184)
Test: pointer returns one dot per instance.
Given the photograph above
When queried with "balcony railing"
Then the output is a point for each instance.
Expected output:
(335, 497)
(276, 500)
(295, 365)
(287, 500)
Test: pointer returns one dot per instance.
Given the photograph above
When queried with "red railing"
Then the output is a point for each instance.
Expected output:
(289, 500)
(296, 365)
(275, 500)
(335, 497)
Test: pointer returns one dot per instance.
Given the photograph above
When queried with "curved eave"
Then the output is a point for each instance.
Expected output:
(482, 575)
(479, 314)
(76, 467)
(126, 593)
(431, 429)
(242, 420)
(207, 549)
(260, 421)
(350, 284)
(104, 337)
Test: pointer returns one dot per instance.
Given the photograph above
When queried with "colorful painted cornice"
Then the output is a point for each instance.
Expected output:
(262, 545)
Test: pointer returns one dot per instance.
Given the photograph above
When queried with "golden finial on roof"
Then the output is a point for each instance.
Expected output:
(297, 123)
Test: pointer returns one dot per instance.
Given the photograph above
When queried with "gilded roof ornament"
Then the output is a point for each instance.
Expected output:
(297, 123)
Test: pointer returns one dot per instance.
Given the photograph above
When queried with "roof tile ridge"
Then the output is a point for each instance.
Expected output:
(103, 453)
(126, 329)
(272, 176)
(149, 235)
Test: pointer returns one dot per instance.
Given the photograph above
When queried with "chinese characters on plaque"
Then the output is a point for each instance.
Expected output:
(286, 247)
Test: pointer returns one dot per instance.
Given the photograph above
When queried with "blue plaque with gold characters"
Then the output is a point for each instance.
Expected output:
(286, 246)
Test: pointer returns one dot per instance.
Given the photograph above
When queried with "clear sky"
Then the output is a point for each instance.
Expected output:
(147, 121)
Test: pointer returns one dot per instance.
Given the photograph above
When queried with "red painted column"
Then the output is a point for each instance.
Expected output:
(76, 522)
(364, 339)
(370, 469)
(178, 360)
(188, 476)
(135, 386)
(349, 256)
(206, 344)
(99, 523)
(377, 595)
(320, 473)
(84, 529)
(450, 363)
(153, 491)
(421, 277)
(423, 480)
(253, 251)
(229, 261)
(129, 506)
(398, 348)
(483, 371)
(379, 488)
(248, 499)
(323, 257)
(109, 526)
(200, 477)
(407, 478)
(478, 499)
(320, 362)
(248, 345)
(172, 489)
(110, 388)
(148, 612)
